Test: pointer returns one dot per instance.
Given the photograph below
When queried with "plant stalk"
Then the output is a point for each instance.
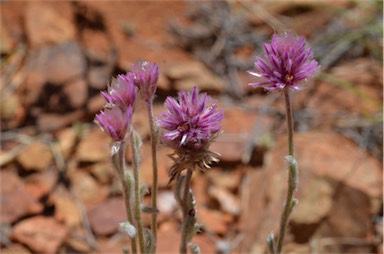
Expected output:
(126, 191)
(135, 163)
(154, 172)
(184, 243)
(292, 177)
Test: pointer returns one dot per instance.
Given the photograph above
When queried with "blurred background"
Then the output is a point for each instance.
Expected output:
(59, 193)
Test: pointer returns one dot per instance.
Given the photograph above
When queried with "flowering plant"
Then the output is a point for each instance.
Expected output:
(288, 61)
(190, 125)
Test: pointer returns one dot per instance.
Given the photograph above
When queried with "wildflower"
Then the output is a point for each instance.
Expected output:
(286, 63)
(190, 125)
(121, 92)
(145, 76)
(115, 122)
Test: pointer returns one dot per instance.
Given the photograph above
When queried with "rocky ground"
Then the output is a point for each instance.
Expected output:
(59, 193)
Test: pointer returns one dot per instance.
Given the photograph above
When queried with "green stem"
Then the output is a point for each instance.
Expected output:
(289, 203)
(184, 243)
(126, 191)
(271, 244)
(154, 170)
(135, 163)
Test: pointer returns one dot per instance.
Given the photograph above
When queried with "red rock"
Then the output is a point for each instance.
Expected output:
(315, 199)
(50, 26)
(232, 143)
(12, 111)
(225, 179)
(318, 152)
(363, 85)
(75, 241)
(228, 202)
(41, 234)
(116, 245)
(94, 146)
(140, 120)
(168, 238)
(163, 83)
(66, 138)
(41, 184)
(50, 122)
(190, 74)
(200, 185)
(14, 194)
(213, 220)
(99, 77)
(253, 206)
(66, 208)
(36, 156)
(97, 44)
(15, 249)
(103, 171)
(76, 92)
(163, 165)
(7, 42)
(54, 65)
(345, 218)
(87, 189)
(230, 151)
(105, 217)
(325, 170)
(95, 104)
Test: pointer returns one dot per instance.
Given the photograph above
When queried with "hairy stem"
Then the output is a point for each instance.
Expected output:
(292, 177)
(187, 186)
(135, 163)
(126, 191)
(154, 170)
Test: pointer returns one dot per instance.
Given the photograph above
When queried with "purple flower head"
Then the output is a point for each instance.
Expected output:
(115, 122)
(121, 92)
(287, 62)
(145, 76)
(191, 121)
(190, 124)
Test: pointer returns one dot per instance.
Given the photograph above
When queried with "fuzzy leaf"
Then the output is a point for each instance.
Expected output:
(194, 248)
(128, 228)
(147, 209)
(149, 243)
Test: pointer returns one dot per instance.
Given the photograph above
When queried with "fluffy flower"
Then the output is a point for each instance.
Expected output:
(145, 76)
(191, 121)
(287, 62)
(190, 124)
(115, 122)
(121, 92)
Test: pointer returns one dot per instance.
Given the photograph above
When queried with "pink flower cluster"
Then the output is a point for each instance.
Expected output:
(116, 117)
(287, 62)
(190, 121)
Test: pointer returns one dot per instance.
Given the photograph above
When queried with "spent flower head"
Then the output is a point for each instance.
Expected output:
(287, 62)
(190, 125)
(115, 121)
(145, 76)
(121, 92)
